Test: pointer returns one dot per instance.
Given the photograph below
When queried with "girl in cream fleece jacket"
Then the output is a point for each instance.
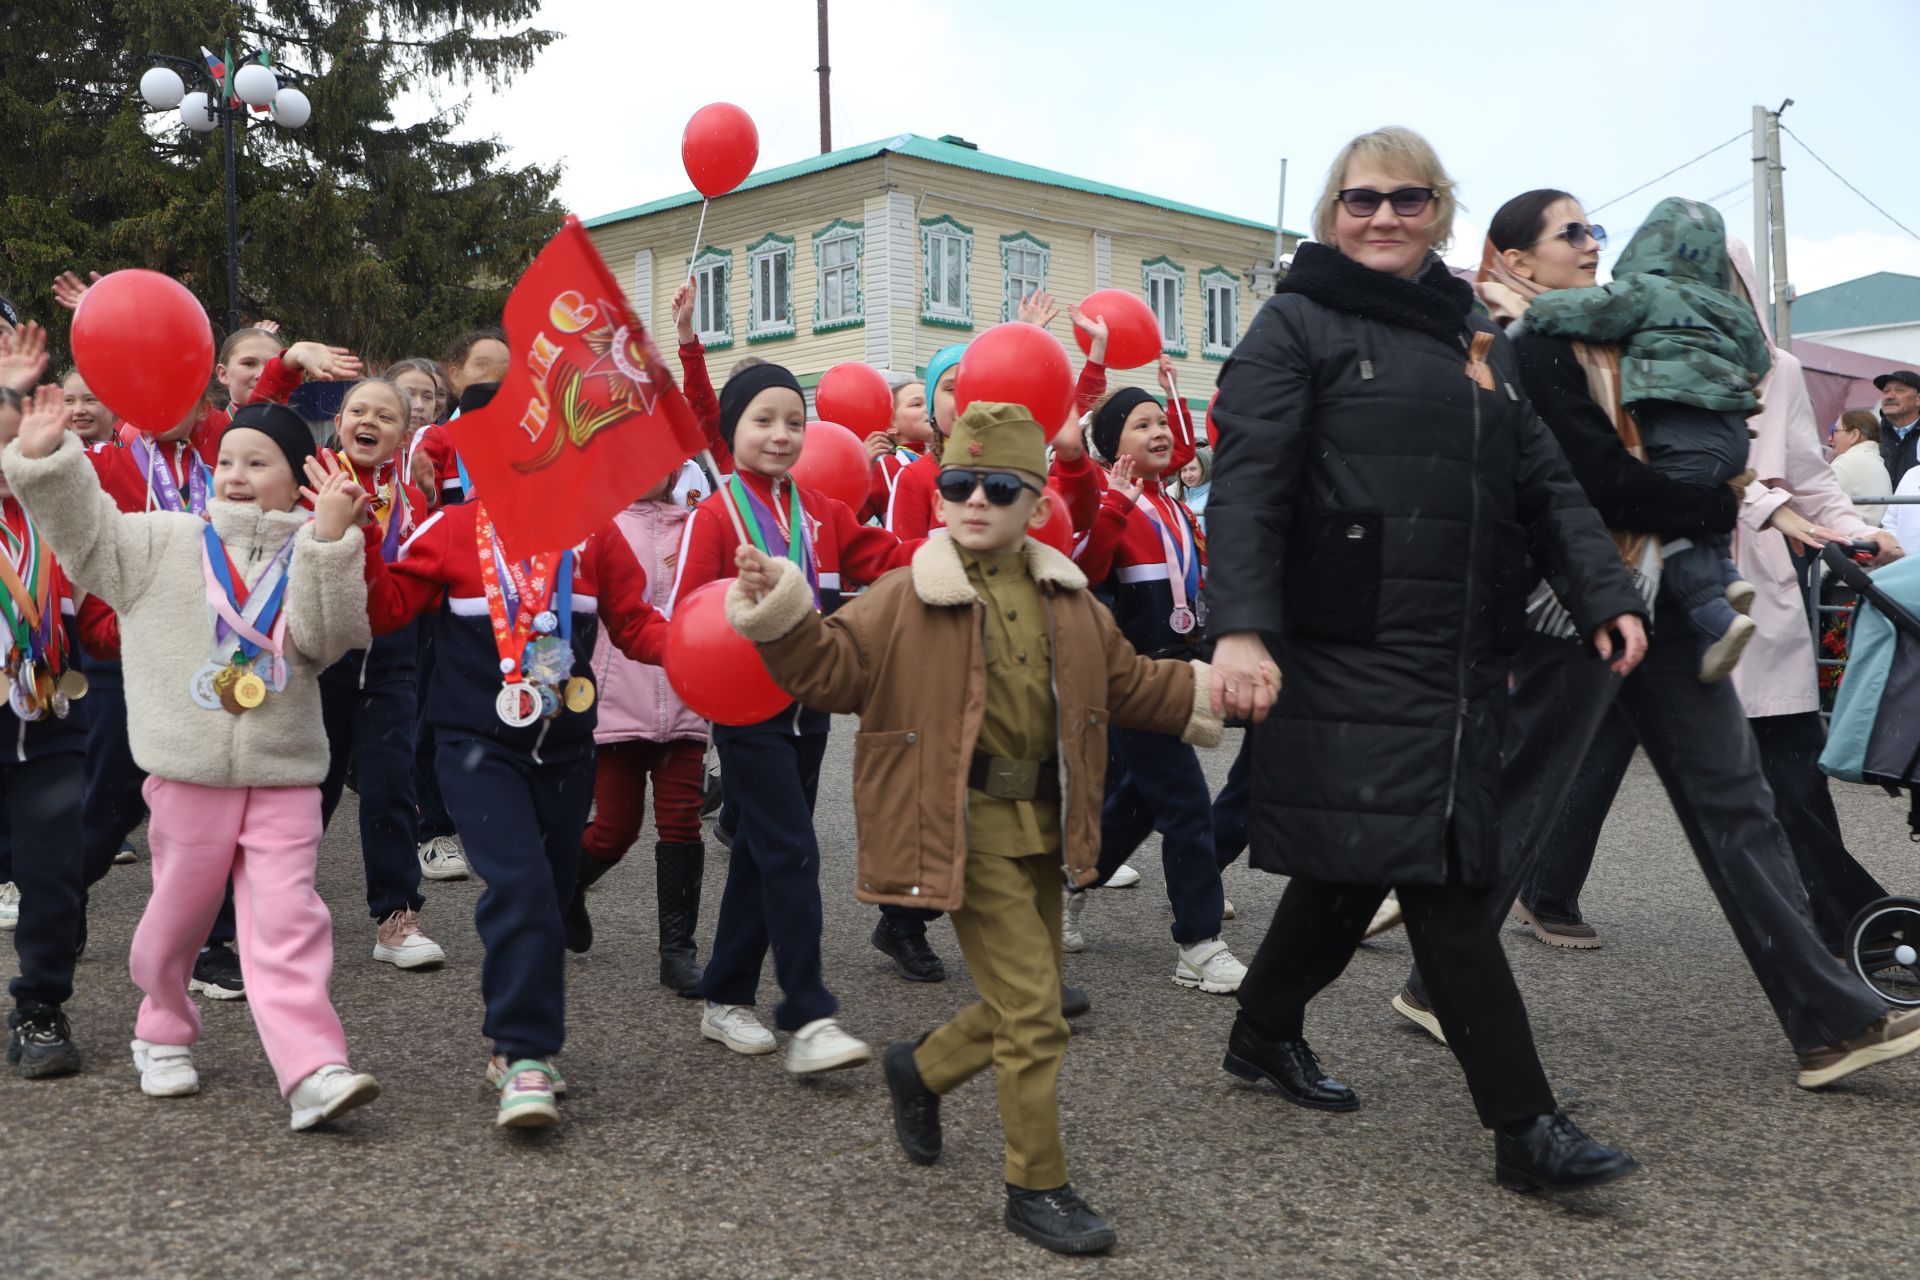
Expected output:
(234, 764)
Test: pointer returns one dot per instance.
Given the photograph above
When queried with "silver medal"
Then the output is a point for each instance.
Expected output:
(518, 705)
(20, 698)
(61, 704)
(546, 622)
(202, 689)
(1181, 620)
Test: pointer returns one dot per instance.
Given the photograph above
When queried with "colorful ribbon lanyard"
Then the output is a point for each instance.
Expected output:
(740, 504)
(460, 465)
(396, 503)
(1182, 575)
(162, 485)
(24, 605)
(253, 618)
(528, 582)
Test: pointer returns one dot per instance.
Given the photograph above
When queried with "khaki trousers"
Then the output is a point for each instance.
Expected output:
(1009, 931)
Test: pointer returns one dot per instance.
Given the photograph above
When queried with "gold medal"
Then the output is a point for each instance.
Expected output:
(579, 694)
(73, 684)
(249, 690)
(223, 681)
(43, 685)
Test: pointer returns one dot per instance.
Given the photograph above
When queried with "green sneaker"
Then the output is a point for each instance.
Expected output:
(498, 1069)
(526, 1096)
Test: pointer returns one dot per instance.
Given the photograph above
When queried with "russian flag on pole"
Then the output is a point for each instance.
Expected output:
(588, 417)
(215, 68)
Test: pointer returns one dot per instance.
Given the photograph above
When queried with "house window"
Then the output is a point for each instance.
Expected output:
(1221, 288)
(1023, 268)
(1164, 282)
(711, 271)
(836, 264)
(947, 250)
(770, 288)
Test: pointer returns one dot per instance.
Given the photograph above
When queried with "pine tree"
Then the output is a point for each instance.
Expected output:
(387, 237)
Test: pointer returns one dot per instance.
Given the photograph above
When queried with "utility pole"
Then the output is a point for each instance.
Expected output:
(826, 100)
(1770, 225)
(1280, 224)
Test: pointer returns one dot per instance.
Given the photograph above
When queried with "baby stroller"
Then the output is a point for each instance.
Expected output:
(1875, 737)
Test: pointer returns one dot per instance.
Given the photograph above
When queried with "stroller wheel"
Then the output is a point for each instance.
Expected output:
(1883, 949)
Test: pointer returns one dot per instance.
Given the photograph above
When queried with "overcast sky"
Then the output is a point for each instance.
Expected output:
(1594, 98)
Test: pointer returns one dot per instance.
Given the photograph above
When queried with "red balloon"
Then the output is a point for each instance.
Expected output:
(716, 670)
(719, 148)
(1057, 532)
(1133, 335)
(143, 344)
(1016, 363)
(855, 396)
(835, 462)
(1213, 432)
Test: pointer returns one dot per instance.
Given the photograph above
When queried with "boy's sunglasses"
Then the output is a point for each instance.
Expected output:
(1364, 202)
(1577, 234)
(956, 484)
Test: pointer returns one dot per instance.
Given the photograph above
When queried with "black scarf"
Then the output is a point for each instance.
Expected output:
(1437, 302)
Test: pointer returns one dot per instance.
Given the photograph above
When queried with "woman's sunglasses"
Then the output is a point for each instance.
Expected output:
(1578, 234)
(956, 484)
(1364, 202)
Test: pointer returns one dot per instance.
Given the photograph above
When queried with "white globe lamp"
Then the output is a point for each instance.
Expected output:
(162, 88)
(255, 84)
(196, 113)
(291, 108)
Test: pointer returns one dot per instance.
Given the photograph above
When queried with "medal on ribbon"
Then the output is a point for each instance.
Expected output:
(252, 621)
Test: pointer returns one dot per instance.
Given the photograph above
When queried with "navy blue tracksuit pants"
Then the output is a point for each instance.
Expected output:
(372, 730)
(1154, 783)
(1230, 808)
(432, 818)
(114, 805)
(41, 802)
(772, 898)
(521, 824)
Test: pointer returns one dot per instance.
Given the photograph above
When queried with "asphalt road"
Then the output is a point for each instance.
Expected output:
(677, 1158)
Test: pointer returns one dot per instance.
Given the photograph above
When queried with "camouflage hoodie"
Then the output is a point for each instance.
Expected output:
(1682, 333)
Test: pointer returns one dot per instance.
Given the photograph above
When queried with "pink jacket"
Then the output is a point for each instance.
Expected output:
(1776, 673)
(636, 701)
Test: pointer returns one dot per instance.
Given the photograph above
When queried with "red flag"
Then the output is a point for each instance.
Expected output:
(588, 417)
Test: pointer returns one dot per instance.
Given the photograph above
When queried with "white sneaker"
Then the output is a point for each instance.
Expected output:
(399, 942)
(1226, 910)
(442, 858)
(166, 1070)
(1071, 936)
(1387, 917)
(328, 1092)
(499, 1068)
(1125, 878)
(9, 905)
(734, 1026)
(125, 856)
(822, 1046)
(1210, 966)
(1720, 658)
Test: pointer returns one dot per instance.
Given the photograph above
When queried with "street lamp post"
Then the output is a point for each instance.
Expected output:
(254, 85)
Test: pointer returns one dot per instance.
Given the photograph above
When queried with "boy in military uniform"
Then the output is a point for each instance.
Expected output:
(984, 676)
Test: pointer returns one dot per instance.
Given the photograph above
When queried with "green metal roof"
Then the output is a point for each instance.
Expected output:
(939, 152)
(1885, 297)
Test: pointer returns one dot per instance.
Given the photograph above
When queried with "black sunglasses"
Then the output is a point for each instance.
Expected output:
(1577, 234)
(1364, 202)
(956, 484)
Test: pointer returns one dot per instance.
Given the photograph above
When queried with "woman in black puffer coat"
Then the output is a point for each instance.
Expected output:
(1381, 492)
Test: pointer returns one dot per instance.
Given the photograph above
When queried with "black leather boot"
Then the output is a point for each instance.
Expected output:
(1058, 1220)
(578, 926)
(1549, 1153)
(1291, 1066)
(1074, 1001)
(677, 872)
(916, 1108)
(912, 958)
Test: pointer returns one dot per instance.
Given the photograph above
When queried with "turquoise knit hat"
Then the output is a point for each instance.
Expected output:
(943, 359)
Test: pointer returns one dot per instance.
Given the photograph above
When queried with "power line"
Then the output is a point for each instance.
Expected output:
(1677, 168)
(1848, 185)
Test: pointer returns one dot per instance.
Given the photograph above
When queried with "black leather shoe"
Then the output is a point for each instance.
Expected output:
(916, 1108)
(1074, 1001)
(575, 923)
(912, 957)
(1058, 1220)
(1549, 1153)
(1291, 1066)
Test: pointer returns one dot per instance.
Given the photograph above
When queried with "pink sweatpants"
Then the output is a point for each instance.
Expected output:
(269, 839)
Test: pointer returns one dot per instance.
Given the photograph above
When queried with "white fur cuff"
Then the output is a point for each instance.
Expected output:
(1204, 729)
(777, 613)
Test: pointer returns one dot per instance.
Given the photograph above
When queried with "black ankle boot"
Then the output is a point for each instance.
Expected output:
(1291, 1066)
(916, 1108)
(677, 872)
(912, 958)
(574, 920)
(1058, 1220)
(1549, 1153)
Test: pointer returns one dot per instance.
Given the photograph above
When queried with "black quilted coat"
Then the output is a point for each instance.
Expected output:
(1380, 502)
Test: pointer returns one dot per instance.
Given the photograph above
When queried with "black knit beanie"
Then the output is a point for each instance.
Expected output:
(477, 396)
(284, 427)
(743, 386)
(1112, 419)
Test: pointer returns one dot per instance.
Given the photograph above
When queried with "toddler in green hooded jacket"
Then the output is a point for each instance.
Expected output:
(1692, 354)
